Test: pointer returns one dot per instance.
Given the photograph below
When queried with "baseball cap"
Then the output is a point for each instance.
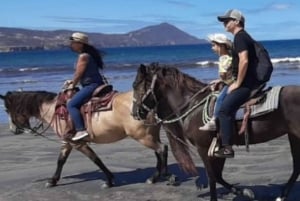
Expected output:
(220, 39)
(79, 37)
(232, 14)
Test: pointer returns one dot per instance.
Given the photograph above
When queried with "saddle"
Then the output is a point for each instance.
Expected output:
(101, 100)
(262, 101)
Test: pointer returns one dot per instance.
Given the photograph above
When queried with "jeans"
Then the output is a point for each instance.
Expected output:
(220, 100)
(81, 97)
(227, 112)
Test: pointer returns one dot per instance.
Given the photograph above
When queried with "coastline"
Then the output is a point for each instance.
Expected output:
(28, 160)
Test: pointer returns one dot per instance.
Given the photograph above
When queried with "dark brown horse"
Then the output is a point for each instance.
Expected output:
(176, 99)
(109, 126)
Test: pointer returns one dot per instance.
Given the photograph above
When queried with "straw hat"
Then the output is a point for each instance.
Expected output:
(79, 37)
(220, 39)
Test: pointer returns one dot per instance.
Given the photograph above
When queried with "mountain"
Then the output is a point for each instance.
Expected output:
(14, 39)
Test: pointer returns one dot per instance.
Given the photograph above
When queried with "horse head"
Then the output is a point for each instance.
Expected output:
(20, 107)
(146, 89)
(16, 122)
(163, 90)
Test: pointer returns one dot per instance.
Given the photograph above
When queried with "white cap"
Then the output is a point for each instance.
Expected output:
(79, 37)
(220, 39)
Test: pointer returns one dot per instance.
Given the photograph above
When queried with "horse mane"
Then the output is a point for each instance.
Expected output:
(176, 79)
(27, 102)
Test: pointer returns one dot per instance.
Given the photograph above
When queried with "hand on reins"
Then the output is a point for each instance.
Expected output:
(68, 84)
(214, 84)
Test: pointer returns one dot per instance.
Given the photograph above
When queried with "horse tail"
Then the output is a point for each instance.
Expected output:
(181, 151)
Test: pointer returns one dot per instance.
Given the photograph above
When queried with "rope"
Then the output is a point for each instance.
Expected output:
(205, 115)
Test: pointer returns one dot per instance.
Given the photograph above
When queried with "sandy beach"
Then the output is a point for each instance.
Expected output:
(27, 161)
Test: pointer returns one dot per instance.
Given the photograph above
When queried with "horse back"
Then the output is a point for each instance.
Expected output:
(283, 120)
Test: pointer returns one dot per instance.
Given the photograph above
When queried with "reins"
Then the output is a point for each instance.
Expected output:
(203, 101)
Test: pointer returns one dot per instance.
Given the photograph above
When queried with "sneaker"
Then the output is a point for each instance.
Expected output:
(209, 126)
(79, 135)
(224, 152)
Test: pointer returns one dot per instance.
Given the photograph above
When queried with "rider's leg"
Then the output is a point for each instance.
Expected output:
(230, 105)
(74, 109)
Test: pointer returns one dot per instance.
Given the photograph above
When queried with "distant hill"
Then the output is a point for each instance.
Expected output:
(15, 39)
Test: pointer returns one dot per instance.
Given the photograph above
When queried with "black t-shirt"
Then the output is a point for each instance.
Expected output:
(243, 41)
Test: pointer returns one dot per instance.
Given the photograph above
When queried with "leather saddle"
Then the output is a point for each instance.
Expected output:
(101, 100)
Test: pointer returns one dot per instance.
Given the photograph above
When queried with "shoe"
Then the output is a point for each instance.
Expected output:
(79, 135)
(224, 152)
(209, 126)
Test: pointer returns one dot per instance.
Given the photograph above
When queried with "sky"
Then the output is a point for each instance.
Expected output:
(265, 19)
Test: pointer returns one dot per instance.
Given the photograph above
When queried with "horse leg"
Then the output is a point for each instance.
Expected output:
(212, 172)
(87, 151)
(161, 154)
(295, 150)
(65, 151)
(214, 168)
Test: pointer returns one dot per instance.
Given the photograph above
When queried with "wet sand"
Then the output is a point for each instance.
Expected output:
(27, 161)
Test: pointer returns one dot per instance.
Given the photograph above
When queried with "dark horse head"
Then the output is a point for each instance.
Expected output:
(157, 87)
(21, 106)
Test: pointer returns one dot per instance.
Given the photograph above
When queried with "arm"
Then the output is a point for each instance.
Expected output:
(82, 62)
(243, 66)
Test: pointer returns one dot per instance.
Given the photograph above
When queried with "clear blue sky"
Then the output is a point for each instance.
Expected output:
(265, 19)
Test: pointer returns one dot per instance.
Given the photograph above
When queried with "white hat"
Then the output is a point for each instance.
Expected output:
(220, 39)
(232, 14)
(79, 37)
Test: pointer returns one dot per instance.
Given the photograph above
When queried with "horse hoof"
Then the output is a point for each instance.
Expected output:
(248, 193)
(150, 181)
(173, 180)
(49, 184)
(106, 185)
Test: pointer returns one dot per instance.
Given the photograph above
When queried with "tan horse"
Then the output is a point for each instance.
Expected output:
(107, 126)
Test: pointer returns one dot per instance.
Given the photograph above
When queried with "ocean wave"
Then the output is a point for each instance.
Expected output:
(206, 63)
(286, 60)
(29, 69)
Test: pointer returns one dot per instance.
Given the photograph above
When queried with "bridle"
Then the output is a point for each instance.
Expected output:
(166, 120)
(149, 93)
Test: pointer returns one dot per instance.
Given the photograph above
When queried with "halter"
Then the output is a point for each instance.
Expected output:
(149, 92)
(165, 120)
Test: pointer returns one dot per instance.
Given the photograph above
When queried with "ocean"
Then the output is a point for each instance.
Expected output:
(47, 70)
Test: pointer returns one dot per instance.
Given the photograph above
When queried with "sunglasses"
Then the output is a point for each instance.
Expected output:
(226, 21)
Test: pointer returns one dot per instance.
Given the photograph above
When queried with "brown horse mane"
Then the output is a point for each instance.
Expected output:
(27, 102)
(177, 79)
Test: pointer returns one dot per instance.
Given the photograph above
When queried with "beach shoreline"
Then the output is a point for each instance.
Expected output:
(27, 161)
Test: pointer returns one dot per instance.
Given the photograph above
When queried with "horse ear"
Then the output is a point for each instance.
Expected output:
(142, 69)
(2, 97)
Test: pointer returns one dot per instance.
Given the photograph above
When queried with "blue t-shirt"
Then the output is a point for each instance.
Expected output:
(91, 73)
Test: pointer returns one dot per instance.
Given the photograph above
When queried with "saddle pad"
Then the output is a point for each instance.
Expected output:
(270, 104)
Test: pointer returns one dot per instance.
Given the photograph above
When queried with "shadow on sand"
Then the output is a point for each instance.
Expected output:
(262, 192)
(137, 176)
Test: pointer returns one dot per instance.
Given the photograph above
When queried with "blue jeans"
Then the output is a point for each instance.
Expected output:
(220, 100)
(81, 97)
(227, 112)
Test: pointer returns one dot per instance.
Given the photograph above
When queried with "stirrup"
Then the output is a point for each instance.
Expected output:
(214, 146)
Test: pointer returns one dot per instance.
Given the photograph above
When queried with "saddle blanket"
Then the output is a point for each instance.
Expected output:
(270, 104)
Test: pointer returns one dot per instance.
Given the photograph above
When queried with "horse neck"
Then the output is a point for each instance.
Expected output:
(47, 111)
(178, 100)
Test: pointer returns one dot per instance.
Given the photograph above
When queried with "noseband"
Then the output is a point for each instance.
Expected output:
(149, 93)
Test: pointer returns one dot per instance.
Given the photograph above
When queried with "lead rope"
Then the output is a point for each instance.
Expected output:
(205, 115)
(205, 100)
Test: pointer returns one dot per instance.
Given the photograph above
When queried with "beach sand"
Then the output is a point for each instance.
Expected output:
(27, 161)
